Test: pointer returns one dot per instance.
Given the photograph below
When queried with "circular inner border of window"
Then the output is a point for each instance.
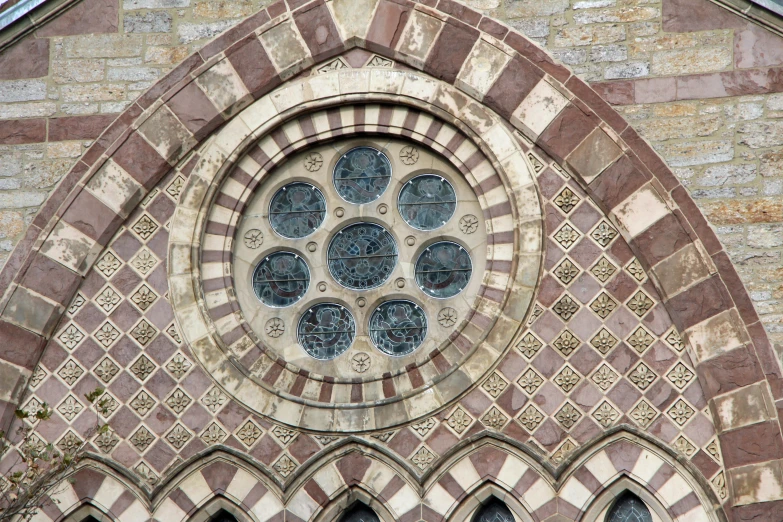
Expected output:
(360, 258)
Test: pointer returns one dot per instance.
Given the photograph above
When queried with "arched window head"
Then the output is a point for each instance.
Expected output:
(494, 511)
(360, 513)
(222, 516)
(629, 508)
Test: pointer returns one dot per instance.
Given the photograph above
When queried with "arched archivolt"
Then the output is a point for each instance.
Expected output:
(542, 100)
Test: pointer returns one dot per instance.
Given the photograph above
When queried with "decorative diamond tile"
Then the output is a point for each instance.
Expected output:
(380, 61)
(603, 341)
(71, 336)
(529, 345)
(537, 311)
(178, 401)
(144, 332)
(566, 343)
(640, 304)
(568, 416)
(333, 65)
(142, 439)
(213, 434)
(143, 367)
(538, 166)
(146, 474)
(106, 370)
(459, 420)
(424, 427)
(70, 407)
(106, 334)
(144, 297)
(604, 233)
(495, 384)
(565, 449)
(674, 340)
(604, 377)
(567, 200)
(636, 270)
(69, 443)
(325, 440)
(179, 365)
(178, 436)
(35, 442)
(284, 434)
(423, 458)
(108, 299)
(566, 308)
(106, 440)
(214, 399)
(603, 305)
(642, 376)
(70, 372)
(605, 414)
(530, 418)
(494, 419)
(76, 304)
(144, 261)
(145, 227)
(681, 412)
(32, 407)
(643, 413)
(108, 264)
(530, 381)
(567, 236)
(249, 433)
(566, 272)
(284, 465)
(107, 405)
(684, 446)
(39, 374)
(567, 379)
(640, 340)
(174, 189)
(385, 436)
(142, 403)
(719, 483)
(603, 270)
(713, 448)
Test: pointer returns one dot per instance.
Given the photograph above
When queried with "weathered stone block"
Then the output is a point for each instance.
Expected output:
(589, 35)
(190, 32)
(103, 46)
(22, 90)
(152, 22)
(690, 61)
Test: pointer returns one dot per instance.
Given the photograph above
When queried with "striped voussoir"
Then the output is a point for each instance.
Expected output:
(706, 299)
(396, 492)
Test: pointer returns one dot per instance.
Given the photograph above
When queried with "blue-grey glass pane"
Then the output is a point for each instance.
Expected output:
(443, 270)
(362, 256)
(494, 511)
(629, 508)
(297, 210)
(281, 279)
(427, 202)
(360, 513)
(398, 327)
(362, 174)
(326, 330)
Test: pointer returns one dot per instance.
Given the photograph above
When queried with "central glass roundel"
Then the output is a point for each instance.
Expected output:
(297, 210)
(362, 175)
(362, 256)
(398, 327)
(326, 330)
(281, 279)
(443, 270)
(427, 202)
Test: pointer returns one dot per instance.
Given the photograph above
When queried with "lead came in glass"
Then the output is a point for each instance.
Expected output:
(398, 327)
(362, 256)
(362, 174)
(297, 210)
(326, 330)
(427, 202)
(443, 270)
(629, 508)
(281, 279)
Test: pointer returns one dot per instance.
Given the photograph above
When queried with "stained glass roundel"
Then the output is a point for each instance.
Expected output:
(398, 327)
(281, 279)
(362, 256)
(297, 210)
(443, 270)
(362, 175)
(326, 330)
(427, 202)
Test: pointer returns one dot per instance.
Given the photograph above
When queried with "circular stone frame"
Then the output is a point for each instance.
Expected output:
(478, 144)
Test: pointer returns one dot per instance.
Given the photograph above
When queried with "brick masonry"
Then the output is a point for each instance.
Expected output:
(728, 345)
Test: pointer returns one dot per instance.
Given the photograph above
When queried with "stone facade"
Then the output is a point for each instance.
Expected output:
(611, 346)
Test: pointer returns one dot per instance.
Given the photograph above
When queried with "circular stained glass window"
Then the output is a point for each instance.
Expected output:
(326, 330)
(398, 327)
(427, 202)
(297, 210)
(443, 270)
(362, 256)
(362, 174)
(281, 279)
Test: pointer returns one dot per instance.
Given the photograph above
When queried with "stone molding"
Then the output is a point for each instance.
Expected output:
(620, 171)
(358, 469)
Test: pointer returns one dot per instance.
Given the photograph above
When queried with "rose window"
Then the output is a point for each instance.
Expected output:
(361, 257)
